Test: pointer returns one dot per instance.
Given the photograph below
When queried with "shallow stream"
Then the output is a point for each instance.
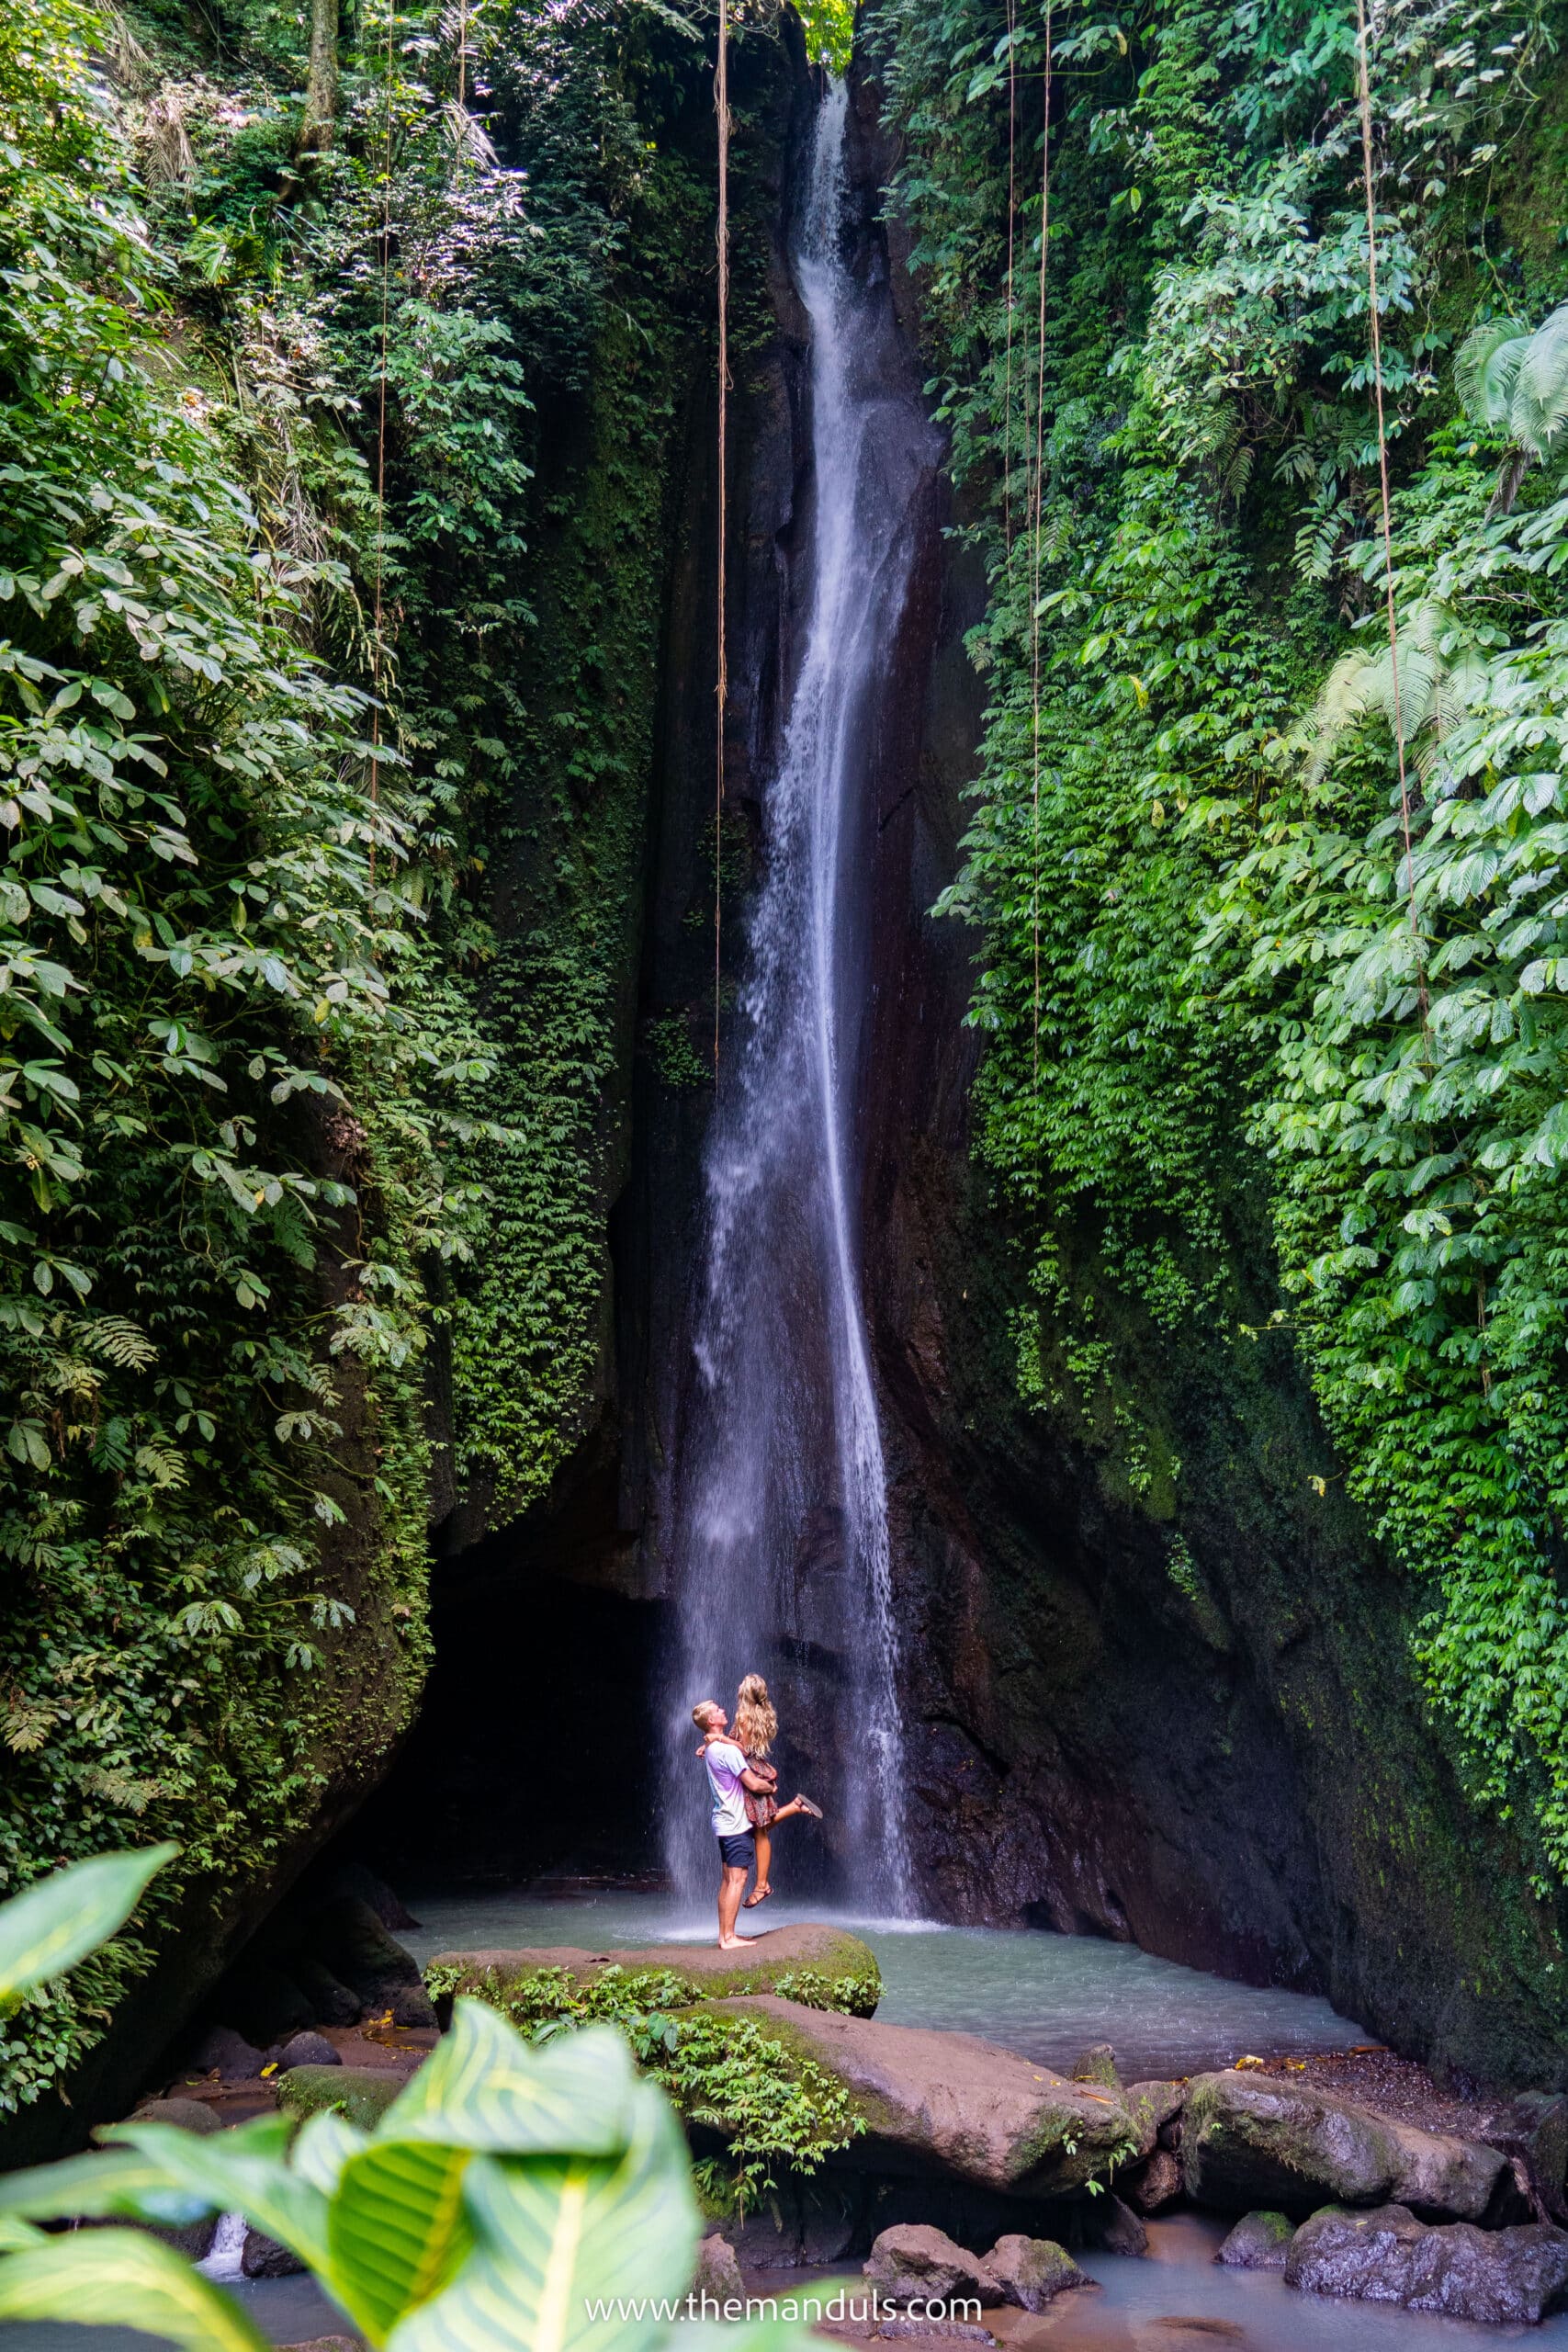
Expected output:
(1047, 1997)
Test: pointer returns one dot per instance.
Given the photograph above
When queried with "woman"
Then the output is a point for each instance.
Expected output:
(755, 1729)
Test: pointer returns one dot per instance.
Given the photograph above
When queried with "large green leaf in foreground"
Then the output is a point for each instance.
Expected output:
(124, 2279)
(57, 1922)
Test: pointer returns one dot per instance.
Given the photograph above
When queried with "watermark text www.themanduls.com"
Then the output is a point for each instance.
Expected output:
(813, 2311)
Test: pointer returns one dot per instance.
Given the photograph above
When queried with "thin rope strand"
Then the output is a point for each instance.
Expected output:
(1366, 110)
(721, 102)
(1039, 509)
(1013, 213)
(381, 452)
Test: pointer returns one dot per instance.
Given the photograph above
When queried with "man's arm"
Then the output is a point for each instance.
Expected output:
(755, 1782)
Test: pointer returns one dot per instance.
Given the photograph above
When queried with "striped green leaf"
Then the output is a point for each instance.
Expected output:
(565, 2245)
(323, 2148)
(65, 1917)
(14, 2235)
(121, 2184)
(484, 2087)
(398, 2230)
(123, 2278)
(241, 2171)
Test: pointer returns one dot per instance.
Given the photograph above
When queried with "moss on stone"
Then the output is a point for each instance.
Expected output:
(362, 2093)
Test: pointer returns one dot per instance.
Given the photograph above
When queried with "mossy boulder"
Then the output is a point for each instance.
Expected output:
(949, 2105)
(1258, 2242)
(361, 2093)
(1251, 2140)
(815, 1967)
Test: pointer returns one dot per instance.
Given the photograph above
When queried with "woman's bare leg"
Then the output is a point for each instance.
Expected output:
(765, 1856)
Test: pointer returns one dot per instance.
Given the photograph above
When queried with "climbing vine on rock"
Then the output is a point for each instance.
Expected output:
(1225, 990)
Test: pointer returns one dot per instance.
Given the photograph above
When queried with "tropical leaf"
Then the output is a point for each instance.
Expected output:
(241, 2171)
(568, 2249)
(398, 2230)
(53, 1925)
(1486, 366)
(124, 2279)
(484, 2087)
(1539, 407)
(323, 2148)
(121, 2184)
(1515, 381)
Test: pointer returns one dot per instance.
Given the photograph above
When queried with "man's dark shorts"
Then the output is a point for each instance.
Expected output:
(737, 1853)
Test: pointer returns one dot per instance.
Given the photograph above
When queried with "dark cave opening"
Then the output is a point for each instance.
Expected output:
(530, 1758)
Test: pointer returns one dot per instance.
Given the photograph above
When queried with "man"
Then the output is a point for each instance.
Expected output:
(728, 1778)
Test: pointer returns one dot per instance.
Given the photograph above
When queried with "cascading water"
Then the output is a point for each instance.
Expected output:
(780, 1505)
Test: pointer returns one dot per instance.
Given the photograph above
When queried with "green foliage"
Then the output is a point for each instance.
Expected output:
(830, 29)
(500, 2194)
(851, 1995)
(1202, 983)
(323, 782)
(774, 2106)
(57, 1923)
(776, 2109)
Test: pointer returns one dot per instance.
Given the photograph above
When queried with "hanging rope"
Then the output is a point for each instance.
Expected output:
(1038, 515)
(1365, 95)
(721, 103)
(381, 454)
(1013, 210)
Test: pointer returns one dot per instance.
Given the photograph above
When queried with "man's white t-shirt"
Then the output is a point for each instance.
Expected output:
(725, 1763)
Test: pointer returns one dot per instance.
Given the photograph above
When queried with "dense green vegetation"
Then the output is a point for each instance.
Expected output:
(1212, 972)
(316, 664)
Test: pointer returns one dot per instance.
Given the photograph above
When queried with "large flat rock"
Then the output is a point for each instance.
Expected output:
(949, 2105)
(1250, 2140)
(819, 1967)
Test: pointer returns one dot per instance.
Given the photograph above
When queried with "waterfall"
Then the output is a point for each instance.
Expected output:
(781, 1551)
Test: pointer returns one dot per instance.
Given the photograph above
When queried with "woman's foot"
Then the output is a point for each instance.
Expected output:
(758, 1894)
(806, 1806)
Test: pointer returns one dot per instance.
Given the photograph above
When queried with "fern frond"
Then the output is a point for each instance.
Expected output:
(1537, 409)
(1486, 366)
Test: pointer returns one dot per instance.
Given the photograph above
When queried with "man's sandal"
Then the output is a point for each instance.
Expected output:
(760, 1895)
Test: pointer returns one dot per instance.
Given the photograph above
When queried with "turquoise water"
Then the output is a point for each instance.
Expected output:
(1047, 1997)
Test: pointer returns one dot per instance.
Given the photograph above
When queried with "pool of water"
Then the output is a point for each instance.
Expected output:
(1048, 1997)
(286, 2310)
(1178, 2299)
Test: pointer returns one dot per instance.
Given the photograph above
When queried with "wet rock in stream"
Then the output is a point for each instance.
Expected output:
(262, 2258)
(1253, 2140)
(915, 2262)
(1498, 2277)
(1258, 2242)
(1034, 2271)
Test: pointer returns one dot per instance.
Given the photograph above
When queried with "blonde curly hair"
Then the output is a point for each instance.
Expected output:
(756, 1724)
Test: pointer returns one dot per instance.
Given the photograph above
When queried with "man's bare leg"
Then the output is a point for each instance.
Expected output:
(731, 1884)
